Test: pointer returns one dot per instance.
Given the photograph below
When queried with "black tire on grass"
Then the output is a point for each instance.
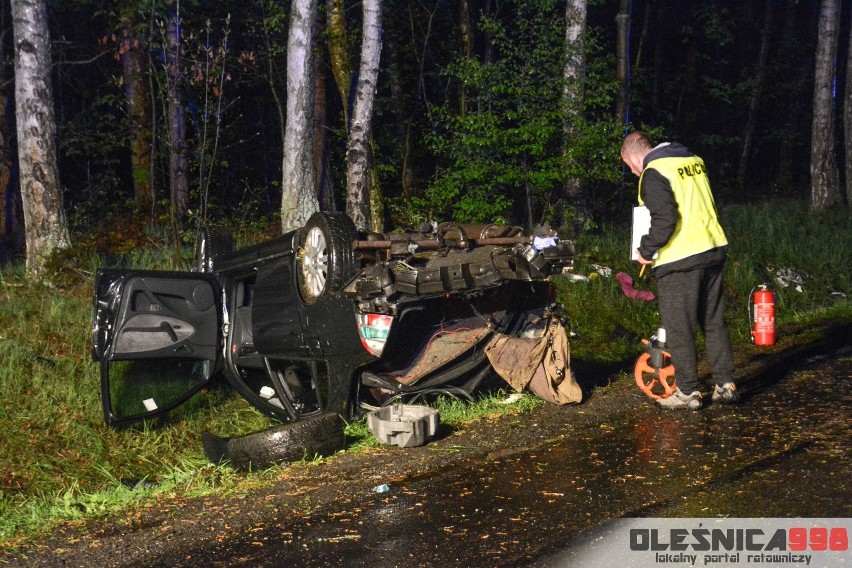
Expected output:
(320, 435)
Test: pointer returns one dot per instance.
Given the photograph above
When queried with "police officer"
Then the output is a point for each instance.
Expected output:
(686, 248)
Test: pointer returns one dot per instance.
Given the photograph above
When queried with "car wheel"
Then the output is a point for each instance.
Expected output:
(315, 435)
(326, 261)
(211, 243)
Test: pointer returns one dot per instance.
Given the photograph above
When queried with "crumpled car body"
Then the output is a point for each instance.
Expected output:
(321, 319)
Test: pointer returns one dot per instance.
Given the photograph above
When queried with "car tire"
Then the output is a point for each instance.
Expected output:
(325, 262)
(315, 435)
(211, 243)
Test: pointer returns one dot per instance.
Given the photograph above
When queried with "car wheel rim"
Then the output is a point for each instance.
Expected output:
(315, 262)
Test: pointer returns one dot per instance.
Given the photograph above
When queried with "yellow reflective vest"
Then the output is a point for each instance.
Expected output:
(698, 228)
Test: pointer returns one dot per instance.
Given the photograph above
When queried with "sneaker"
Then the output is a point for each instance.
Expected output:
(726, 393)
(680, 400)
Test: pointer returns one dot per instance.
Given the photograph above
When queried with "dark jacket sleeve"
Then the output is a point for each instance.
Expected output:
(657, 194)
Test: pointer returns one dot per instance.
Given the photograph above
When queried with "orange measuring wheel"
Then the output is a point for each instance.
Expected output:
(656, 383)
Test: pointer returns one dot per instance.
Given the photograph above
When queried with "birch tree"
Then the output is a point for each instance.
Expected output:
(359, 171)
(573, 73)
(298, 196)
(825, 178)
(45, 226)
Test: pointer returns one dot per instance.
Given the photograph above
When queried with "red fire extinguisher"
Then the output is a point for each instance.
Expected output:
(762, 306)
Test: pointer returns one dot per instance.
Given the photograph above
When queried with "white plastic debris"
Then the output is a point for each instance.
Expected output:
(514, 397)
(540, 243)
(790, 277)
(603, 270)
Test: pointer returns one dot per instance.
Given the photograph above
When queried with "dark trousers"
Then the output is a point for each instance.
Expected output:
(689, 300)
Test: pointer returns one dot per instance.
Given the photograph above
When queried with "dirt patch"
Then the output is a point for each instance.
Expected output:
(174, 526)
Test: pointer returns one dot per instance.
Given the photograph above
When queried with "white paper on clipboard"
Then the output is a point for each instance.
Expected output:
(641, 226)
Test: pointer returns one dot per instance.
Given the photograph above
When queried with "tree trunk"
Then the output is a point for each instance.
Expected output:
(8, 209)
(646, 24)
(135, 93)
(420, 96)
(825, 178)
(45, 225)
(377, 199)
(466, 33)
(787, 148)
(358, 153)
(759, 77)
(658, 68)
(686, 99)
(338, 53)
(273, 87)
(488, 57)
(178, 174)
(298, 198)
(322, 167)
(402, 114)
(847, 119)
(574, 73)
(622, 65)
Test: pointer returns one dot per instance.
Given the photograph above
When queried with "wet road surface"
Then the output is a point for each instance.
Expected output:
(782, 452)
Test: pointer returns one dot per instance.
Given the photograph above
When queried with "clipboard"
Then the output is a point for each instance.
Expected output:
(641, 226)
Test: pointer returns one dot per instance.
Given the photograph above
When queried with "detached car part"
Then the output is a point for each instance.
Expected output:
(321, 434)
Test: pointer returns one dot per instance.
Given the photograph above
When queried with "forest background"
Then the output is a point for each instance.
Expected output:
(180, 112)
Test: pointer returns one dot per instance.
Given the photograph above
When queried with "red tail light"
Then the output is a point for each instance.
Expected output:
(374, 330)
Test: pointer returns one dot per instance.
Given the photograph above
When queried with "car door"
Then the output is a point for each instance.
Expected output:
(157, 338)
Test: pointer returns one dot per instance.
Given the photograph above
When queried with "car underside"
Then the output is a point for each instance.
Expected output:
(322, 319)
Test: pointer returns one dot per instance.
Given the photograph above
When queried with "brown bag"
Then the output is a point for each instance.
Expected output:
(541, 364)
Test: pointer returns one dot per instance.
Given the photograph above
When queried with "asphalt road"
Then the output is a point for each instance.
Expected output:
(782, 452)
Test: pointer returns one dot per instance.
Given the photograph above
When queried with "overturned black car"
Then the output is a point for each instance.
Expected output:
(323, 319)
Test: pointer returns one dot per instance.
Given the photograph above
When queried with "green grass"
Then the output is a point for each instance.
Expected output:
(61, 463)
